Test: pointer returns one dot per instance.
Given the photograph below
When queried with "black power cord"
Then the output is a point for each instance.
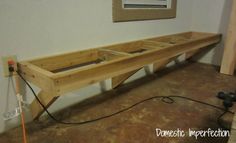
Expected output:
(219, 121)
(166, 99)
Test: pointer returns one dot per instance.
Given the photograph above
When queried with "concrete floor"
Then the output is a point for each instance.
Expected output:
(137, 125)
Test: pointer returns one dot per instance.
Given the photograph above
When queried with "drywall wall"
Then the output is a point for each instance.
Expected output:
(211, 16)
(35, 28)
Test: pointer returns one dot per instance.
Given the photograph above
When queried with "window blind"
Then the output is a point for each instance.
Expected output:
(146, 3)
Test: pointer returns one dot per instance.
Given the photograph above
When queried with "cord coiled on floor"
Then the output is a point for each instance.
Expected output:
(165, 99)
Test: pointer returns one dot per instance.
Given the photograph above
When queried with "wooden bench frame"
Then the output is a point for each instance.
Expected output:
(57, 75)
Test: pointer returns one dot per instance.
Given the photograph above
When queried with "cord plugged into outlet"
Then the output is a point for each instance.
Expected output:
(9, 64)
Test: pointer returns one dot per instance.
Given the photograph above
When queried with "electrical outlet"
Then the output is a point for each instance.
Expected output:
(5, 64)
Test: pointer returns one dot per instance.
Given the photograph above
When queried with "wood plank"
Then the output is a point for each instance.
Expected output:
(118, 80)
(67, 81)
(190, 54)
(229, 57)
(65, 60)
(156, 44)
(130, 46)
(162, 64)
(46, 98)
(106, 55)
(120, 59)
(125, 47)
(232, 138)
(52, 63)
(115, 52)
(37, 76)
(59, 61)
(41, 78)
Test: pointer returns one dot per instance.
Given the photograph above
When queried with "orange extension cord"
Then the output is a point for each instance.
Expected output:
(22, 120)
(19, 98)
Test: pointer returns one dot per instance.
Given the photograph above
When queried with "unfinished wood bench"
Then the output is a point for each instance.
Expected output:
(57, 75)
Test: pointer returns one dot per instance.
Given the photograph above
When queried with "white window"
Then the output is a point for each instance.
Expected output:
(147, 4)
(129, 10)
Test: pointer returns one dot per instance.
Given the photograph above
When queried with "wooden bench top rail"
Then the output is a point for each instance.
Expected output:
(57, 75)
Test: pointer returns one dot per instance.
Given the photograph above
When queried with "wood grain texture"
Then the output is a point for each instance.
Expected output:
(162, 64)
(118, 80)
(46, 98)
(36, 75)
(119, 60)
(229, 57)
(190, 54)
(232, 138)
(67, 81)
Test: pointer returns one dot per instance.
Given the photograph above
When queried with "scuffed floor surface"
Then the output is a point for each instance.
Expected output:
(137, 125)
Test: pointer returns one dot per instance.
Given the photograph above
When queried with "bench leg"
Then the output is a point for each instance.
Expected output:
(118, 80)
(190, 54)
(161, 64)
(46, 98)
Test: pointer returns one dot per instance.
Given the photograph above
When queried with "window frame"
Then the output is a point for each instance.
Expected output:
(121, 14)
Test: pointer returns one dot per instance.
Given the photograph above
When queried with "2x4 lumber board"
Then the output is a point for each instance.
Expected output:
(41, 78)
(108, 56)
(46, 98)
(157, 43)
(37, 76)
(61, 61)
(74, 79)
(190, 54)
(59, 83)
(229, 57)
(65, 60)
(118, 80)
(162, 63)
(184, 34)
(232, 138)
(115, 52)
(125, 47)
